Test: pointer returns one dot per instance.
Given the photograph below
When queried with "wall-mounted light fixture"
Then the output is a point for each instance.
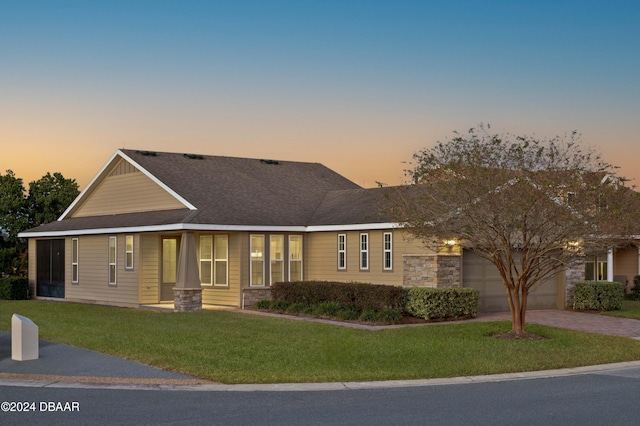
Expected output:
(450, 243)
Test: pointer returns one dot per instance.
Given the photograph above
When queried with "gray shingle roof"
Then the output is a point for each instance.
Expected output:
(243, 192)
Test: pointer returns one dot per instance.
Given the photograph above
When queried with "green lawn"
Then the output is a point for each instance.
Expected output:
(231, 347)
(630, 309)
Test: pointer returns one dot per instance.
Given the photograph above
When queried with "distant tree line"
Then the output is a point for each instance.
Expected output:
(20, 210)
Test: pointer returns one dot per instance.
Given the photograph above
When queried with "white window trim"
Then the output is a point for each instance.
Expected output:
(126, 252)
(113, 239)
(251, 261)
(272, 259)
(210, 260)
(301, 277)
(75, 245)
(216, 259)
(342, 241)
(386, 250)
(364, 251)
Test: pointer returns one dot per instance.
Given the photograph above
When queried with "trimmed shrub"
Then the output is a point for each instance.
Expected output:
(634, 294)
(436, 303)
(14, 288)
(361, 296)
(598, 295)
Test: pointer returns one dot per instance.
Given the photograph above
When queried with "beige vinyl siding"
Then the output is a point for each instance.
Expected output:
(230, 295)
(31, 268)
(93, 278)
(147, 256)
(321, 258)
(126, 193)
(625, 262)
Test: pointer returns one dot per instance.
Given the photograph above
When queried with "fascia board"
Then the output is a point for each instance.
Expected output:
(100, 175)
(89, 186)
(158, 182)
(204, 228)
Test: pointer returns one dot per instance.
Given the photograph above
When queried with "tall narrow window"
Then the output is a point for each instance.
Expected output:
(74, 260)
(342, 251)
(128, 252)
(295, 257)
(169, 260)
(221, 257)
(276, 253)
(206, 261)
(112, 260)
(257, 260)
(364, 251)
(388, 251)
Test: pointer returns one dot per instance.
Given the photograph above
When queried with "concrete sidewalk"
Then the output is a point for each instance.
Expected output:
(58, 362)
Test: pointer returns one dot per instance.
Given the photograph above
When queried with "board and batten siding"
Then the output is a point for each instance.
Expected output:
(322, 257)
(126, 193)
(93, 272)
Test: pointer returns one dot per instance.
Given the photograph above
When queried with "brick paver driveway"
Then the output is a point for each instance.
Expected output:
(581, 321)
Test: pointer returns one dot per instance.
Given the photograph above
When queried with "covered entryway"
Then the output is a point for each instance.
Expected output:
(482, 275)
(169, 271)
(50, 268)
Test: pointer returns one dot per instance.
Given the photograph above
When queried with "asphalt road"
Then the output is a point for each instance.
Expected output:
(608, 397)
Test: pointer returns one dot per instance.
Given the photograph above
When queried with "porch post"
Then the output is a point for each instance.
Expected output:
(610, 265)
(187, 292)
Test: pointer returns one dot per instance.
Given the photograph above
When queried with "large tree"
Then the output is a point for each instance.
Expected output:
(47, 199)
(530, 206)
(13, 219)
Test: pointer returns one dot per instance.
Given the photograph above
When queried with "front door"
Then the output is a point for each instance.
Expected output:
(170, 246)
(50, 268)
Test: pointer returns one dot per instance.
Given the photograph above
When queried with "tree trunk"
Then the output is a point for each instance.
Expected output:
(518, 306)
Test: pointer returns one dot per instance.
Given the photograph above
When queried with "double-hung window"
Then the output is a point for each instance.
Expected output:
(342, 251)
(214, 260)
(221, 260)
(276, 253)
(206, 259)
(128, 252)
(257, 260)
(113, 243)
(74, 261)
(387, 250)
(364, 251)
(295, 257)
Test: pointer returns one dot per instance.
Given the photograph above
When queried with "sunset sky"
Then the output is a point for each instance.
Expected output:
(356, 85)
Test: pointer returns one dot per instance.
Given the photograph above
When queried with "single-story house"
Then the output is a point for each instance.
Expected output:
(158, 227)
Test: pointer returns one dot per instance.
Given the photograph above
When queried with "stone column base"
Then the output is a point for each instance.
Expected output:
(187, 299)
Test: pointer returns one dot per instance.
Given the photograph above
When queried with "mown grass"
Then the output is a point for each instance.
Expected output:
(630, 309)
(231, 347)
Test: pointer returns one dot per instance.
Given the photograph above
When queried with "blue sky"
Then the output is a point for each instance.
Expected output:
(356, 85)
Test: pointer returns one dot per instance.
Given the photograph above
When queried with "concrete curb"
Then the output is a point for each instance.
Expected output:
(331, 386)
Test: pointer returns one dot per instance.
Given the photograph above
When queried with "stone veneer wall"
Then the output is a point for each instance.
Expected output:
(574, 273)
(250, 296)
(187, 299)
(449, 271)
(431, 270)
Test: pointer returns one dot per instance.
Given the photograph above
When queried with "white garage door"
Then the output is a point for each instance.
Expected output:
(482, 275)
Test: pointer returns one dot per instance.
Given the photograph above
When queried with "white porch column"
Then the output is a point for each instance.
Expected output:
(610, 265)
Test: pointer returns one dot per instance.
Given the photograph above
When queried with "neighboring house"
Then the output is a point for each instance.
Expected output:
(156, 227)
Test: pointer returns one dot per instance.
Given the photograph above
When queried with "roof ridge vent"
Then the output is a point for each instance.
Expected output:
(147, 153)
(270, 162)
(193, 156)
